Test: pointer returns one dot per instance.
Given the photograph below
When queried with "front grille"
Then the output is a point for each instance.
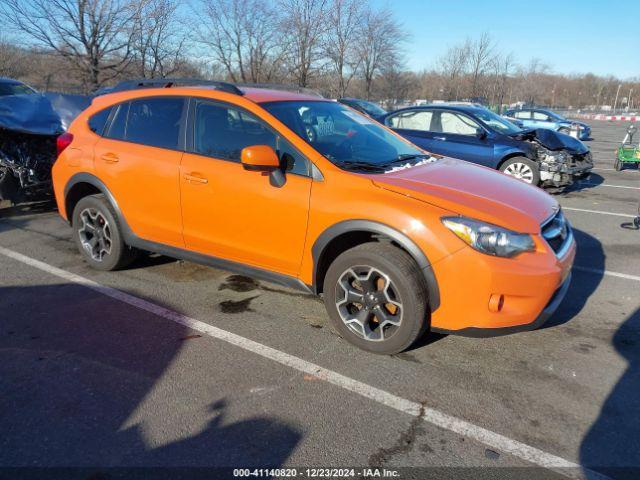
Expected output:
(557, 232)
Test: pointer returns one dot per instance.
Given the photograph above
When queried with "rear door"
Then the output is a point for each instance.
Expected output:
(455, 135)
(138, 159)
(414, 125)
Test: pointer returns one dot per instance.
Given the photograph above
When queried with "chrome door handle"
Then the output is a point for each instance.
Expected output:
(440, 138)
(110, 157)
(195, 179)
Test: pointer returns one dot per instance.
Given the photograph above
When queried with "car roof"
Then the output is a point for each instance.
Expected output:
(10, 80)
(443, 106)
(260, 95)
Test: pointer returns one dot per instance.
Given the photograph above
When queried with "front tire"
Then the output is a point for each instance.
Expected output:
(98, 236)
(376, 297)
(523, 169)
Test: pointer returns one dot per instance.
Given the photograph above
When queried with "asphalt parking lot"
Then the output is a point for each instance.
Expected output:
(170, 364)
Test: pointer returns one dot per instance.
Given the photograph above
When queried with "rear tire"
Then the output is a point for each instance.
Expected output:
(376, 297)
(523, 169)
(98, 235)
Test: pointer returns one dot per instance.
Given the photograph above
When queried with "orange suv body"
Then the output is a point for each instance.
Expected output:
(290, 188)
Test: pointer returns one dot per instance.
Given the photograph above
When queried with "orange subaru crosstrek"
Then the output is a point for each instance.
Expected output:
(306, 192)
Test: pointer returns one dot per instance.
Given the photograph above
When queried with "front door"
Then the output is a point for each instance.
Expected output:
(455, 135)
(235, 214)
(139, 160)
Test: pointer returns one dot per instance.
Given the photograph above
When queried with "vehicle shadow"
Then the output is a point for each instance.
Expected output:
(79, 376)
(589, 254)
(612, 444)
(43, 205)
(593, 180)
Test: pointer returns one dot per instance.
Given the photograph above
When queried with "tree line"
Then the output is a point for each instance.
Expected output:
(339, 47)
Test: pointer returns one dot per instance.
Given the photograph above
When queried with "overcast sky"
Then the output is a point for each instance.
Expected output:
(598, 36)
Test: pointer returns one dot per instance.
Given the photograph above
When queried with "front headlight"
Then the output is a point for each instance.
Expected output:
(488, 238)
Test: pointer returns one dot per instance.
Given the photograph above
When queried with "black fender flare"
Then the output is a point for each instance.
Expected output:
(325, 238)
(84, 177)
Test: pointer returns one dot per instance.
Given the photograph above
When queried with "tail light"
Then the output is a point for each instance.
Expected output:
(63, 141)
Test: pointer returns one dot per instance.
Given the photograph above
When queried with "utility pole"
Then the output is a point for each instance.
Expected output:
(629, 102)
(615, 103)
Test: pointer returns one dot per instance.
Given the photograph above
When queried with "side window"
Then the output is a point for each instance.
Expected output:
(540, 116)
(155, 121)
(222, 131)
(524, 115)
(458, 124)
(97, 121)
(412, 120)
(119, 122)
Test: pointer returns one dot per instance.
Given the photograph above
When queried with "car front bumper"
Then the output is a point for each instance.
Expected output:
(530, 286)
(563, 174)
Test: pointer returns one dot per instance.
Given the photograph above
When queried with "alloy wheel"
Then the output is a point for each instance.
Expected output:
(368, 303)
(95, 234)
(521, 171)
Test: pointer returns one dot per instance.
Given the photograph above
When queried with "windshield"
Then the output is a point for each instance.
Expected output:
(15, 89)
(497, 122)
(347, 138)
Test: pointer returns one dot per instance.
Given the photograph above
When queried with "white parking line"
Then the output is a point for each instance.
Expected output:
(601, 212)
(609, 273)
(430, 415)
(613, 170)
(608, 185)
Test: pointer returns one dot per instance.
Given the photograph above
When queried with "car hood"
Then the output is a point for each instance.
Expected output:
(473, 191)
(553, 140)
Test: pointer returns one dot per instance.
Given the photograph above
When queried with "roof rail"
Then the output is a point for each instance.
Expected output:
(286, 88)
(175, 82)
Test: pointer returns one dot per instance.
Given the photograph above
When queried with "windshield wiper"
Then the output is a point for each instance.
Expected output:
(361, 165)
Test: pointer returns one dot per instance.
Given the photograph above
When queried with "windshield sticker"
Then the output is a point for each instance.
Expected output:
(409, 164)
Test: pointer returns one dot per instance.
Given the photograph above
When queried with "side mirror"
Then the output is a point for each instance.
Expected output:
(259, 158)
(481, 134)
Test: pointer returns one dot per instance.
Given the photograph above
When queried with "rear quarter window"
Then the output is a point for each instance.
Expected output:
(97, 121)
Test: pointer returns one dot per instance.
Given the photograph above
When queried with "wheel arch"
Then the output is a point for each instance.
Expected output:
(350, 233)
(83, 184)
(511, 155)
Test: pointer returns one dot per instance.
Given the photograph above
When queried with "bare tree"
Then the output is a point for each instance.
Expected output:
(11, 60)
(244, 37)
(94, 36)
(480, 56)
(340, 46)
(158, 41)
(304, 22)
(502, 67)
(453, 66)
(380, 45)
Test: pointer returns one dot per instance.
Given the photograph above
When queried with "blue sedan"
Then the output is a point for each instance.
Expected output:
(541, 118)
(476, 134)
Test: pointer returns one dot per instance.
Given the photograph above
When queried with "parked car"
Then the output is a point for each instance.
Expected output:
(9, 86)
(371, 109)
(476, 134)
(30, 122)
(308, 193)
(541, 118)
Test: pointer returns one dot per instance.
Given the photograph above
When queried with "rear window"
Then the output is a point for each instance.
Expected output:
(98, 121)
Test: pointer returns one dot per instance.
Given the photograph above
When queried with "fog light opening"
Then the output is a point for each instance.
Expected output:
(496, 302)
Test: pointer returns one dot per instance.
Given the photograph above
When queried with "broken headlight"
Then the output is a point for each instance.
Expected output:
(549, 156)
(488, 238)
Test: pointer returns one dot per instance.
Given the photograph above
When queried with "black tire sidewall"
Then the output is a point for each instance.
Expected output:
(415, 310)
(118, 247)
(535, 168)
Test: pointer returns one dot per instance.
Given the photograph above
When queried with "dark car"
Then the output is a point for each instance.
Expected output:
(476, 134)
(9, 86)
(363, 106)
(541, 118)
